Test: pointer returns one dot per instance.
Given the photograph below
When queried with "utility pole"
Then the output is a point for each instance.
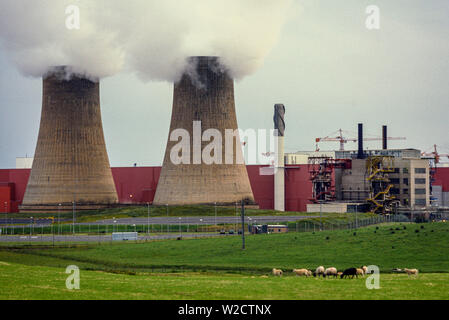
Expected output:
(243, 225)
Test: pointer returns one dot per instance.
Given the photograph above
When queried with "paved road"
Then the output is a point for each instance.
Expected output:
(102, 238)
(209, 220)
(12, 220)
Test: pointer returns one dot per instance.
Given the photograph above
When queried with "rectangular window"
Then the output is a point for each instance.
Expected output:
(420, 191)
(420, 170)
(406, 181)
(405, 170)
(420, 202)
(396, 170)
(420, 181)
(395, 180)
(405, 191)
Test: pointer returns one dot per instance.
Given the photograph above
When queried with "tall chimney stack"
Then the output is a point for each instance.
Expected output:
(384, 138)
(205, 93)
(279, 174)
(71, 165)
(360, 153)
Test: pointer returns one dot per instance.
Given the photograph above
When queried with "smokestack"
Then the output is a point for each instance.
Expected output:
(279, 175)
(70, 163)
(384, 138)
(360, 154)
(205, 93)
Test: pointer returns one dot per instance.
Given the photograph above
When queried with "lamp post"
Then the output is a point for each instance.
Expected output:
(148, 224)
(59, 219)
(236, 217)
(6, 211)
(180, 231)
(243, 225)
(73, 214)
(215, 215)
(321, 215)
(201, 222)
(167, 218)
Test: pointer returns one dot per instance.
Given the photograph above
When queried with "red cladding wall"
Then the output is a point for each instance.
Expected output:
(12, 188)
(137, 185)
(442, 178)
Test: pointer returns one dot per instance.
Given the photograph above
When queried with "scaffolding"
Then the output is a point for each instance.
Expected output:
(321, 171)
(377, 170)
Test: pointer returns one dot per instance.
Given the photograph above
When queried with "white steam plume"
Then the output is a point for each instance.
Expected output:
(36, 38)
(241, 32)
(150, 37)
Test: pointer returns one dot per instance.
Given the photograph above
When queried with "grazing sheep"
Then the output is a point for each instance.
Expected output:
(365, 269)
(411, 271)
(319, 271)
(330, 272)
(349, 272)
(397, 270)
(277, 272)
(302, 272)
(359, 272)
(339, 274)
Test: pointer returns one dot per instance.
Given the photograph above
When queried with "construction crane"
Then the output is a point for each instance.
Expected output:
(435, 154)
(343, 140)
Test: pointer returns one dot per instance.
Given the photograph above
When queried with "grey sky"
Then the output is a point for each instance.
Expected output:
(327, 68)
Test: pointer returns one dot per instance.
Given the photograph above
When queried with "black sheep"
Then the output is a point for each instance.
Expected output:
(349, 272)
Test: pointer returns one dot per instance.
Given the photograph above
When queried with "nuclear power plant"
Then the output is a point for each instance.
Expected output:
(71, 169)
(205, 93)
(71, 165)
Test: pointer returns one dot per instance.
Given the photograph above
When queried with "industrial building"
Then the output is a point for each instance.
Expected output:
(380, 181)
(137, 186)
(71, 169)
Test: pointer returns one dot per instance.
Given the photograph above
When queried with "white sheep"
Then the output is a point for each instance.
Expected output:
(277, 272)
(319, 271)
(411, 271)
(359, 272)
(365, 269)
(302, 272)
(330, 272)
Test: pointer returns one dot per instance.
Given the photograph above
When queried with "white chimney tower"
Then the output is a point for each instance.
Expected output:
(279, 175)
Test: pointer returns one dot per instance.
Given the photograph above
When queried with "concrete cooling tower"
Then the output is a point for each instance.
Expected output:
(71, 164)
(205, 93)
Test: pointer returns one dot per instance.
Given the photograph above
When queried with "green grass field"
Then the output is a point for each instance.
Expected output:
(219, 269)
(26, 282)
